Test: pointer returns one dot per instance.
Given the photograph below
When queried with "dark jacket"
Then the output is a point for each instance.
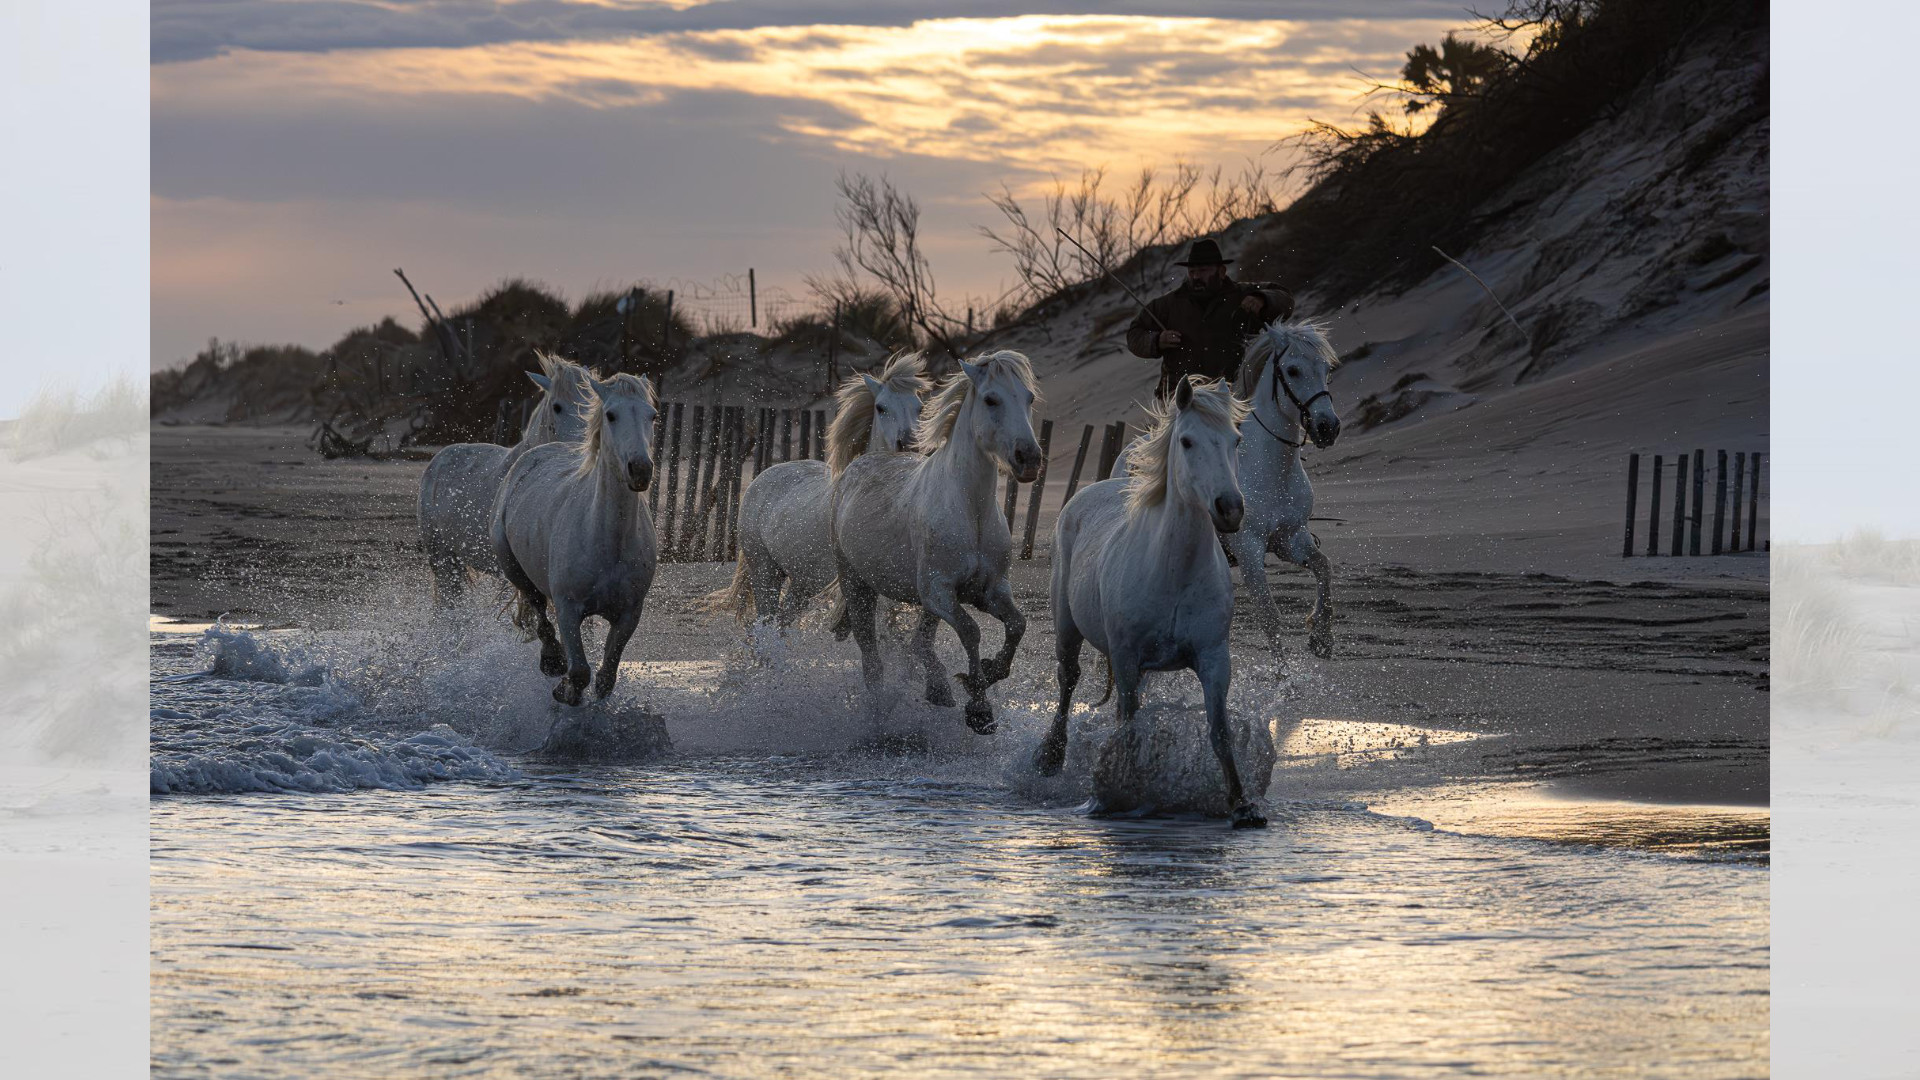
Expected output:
(1213, 330)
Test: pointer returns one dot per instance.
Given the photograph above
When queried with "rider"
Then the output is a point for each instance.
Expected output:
(1201, 327)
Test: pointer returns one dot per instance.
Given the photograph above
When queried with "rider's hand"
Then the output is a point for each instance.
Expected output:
(1252, 305)
(1169, 339)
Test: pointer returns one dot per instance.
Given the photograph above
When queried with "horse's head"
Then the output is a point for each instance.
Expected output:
(1298, 359)
(1001, 422)
(896, 412)
(620, 429)
(566, 395)
(1192, 454)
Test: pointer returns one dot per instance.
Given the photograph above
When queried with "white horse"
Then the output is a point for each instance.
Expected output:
(928, 529)
(1284, 374)
(1138, 571)
(785, 536)
(460, 485)
(571, 525)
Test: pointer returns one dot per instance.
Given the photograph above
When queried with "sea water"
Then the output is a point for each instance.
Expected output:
(360, 867)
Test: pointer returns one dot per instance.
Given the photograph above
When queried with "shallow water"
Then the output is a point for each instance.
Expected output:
(339, 892)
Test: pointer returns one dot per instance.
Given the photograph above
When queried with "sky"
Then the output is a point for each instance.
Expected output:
(302, 149)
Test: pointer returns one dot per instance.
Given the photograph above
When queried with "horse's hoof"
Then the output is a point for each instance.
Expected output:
(1049, 758)
(552, 665)
(974, 687)
(938, 694)
(600, 692)
(1248, 816)
(566, 694)
(993, 671)
(1322, 645)
(980, 717)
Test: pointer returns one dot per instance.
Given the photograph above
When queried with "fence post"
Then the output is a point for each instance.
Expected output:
(709, 472)
(1633, 495)
(1653, 509)
(1719, 500)
(1679, 504)
(753, 301)
(658, 444)
(1039, 487)
(723, 459)
(1699, 501)
(696, 441)
(673, 477)
(1079, 459)
(820, 434)
(1739, 483)
(806, 433)
(734, 485)
(766, 441)
(786, 434)
(1753, 503)
(666, 330)
(1109, 450)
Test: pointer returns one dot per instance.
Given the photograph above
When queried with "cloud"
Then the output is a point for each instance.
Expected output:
(197, 29)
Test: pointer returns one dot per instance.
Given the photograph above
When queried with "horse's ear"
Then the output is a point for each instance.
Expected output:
(874, 386)
(1182, 394)
(601, 389)
(545, 384)
(975, 373)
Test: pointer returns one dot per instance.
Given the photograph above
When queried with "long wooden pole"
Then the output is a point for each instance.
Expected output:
(1079, 461)
(1653, 509)
(1633, 494)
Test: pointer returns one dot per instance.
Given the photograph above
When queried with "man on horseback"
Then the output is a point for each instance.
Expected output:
(1201, 328)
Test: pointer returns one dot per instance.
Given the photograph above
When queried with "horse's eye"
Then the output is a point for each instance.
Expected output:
(1186, 443)
(1293, 372)
(611, 417)
(880, 410)
(557, 408)
(993, 403)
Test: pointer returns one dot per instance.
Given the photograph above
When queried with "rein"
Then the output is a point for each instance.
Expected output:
(1300, 407)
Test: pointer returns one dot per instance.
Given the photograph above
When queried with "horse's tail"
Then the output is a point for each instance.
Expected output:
(736, 597)
(837, 618)
(1106, 665)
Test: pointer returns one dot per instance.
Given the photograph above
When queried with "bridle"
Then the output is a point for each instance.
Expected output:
(1300, 407)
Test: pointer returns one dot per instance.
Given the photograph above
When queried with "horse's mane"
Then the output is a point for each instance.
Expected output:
(1273, 340)
(622, 385)
(568, 382)
(1148, 458)
(853, 420)
(936, 423)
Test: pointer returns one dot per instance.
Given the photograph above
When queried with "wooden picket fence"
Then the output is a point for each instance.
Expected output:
(705, 454)
(1686, 524)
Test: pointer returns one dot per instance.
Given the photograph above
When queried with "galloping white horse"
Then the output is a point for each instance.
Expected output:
(1284, 373)
(460, 485)
(570, 524)
(1138, 571)
(784, 530)
(929, 530)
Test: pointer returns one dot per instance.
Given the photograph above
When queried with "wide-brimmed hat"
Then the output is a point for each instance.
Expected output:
(1203, 252)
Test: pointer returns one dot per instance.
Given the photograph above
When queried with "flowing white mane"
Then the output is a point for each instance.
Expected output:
(853, 422)
(619, 387)
(567, 381)
(936, 424)
(1275, 339)
(1149, 458)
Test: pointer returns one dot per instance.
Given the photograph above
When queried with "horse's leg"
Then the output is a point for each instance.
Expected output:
(1251, 552)
(859, 599)
(1051, 755)
(999, 604)
(552, 660)
(938, 690)
(942, 603)
(449, 577)
(617, 636)
(568, 690)
(1215, 669)
(1299, 547)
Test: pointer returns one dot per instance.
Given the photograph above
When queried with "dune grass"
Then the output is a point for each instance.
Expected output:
(60, 418)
